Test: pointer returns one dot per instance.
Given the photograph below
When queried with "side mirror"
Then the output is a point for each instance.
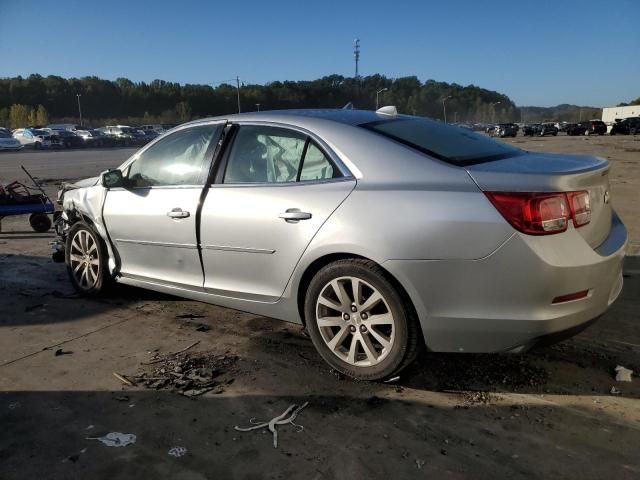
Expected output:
(112, 179)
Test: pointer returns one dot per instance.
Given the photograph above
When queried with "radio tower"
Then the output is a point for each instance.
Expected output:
(356, 53)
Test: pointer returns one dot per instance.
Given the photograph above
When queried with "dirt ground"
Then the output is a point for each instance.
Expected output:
(547, 414)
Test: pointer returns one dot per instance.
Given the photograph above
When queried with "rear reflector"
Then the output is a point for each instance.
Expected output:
(571, 296)
(537, 213)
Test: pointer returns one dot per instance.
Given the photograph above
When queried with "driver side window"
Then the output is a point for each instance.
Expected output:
(177, 159)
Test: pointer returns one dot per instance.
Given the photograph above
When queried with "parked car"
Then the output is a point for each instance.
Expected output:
(159, 129)
(575, 129)
(71, 127)
(69, 138)
(594, 127)
(382, 233)
(531, 129)
(123, 135)
(505, 130)
(95, 138)
(547, 129)
(7, 142)
(32, 138)
(628, 126)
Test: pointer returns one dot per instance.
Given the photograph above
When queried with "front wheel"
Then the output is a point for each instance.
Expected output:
(359, 322)
(86, 259)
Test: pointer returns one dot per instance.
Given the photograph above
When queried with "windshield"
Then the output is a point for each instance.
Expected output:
(40, 132)
(445, 142)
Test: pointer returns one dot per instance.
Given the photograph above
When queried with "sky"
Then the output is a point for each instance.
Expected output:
(538, 53)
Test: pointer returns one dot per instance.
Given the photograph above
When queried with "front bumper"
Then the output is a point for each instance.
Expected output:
(503, 302)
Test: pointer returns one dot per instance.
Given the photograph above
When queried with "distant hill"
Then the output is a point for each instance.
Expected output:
(559, 113)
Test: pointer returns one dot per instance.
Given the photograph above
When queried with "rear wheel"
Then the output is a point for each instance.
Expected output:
(37, 145)
(359, 322)
(40, 222)
(86, 259)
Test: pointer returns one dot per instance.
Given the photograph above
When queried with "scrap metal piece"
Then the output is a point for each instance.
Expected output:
(292, 411)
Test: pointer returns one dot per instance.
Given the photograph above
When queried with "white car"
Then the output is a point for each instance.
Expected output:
(7, 142)
(32, 138)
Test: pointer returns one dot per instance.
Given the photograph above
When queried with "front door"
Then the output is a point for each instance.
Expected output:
(277, 190)
(152, 222)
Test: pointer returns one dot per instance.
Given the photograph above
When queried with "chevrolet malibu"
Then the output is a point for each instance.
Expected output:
(382, 233)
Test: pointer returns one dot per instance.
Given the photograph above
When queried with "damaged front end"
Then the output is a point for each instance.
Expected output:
(80, 201)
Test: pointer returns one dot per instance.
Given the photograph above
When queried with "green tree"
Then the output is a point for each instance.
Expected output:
(4, 117)
(42, 118)
(19, 116)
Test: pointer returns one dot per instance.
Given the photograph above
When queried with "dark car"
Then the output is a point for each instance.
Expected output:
(68, 139)
(531, 129)
(547, 129)
(627, 126)
(505, 130)
(575, 129)
(594, 127)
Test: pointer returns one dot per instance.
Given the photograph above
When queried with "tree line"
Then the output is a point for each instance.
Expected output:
(124, 101)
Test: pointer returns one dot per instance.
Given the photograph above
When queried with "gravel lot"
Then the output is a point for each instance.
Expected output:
(547, 414)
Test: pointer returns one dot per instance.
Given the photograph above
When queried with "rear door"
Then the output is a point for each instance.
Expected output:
(275, 189)
(152, 222)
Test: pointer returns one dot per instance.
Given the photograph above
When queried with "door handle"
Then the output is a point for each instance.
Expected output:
(178, 213)
(294, 215)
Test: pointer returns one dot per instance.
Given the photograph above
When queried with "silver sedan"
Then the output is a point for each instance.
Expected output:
(382, 233)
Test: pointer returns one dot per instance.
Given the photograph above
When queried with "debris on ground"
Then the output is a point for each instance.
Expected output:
(60, 352)
(121, 398)
(116, 439)
(188, 373)
(162, 358)
(190, 316)
(177, 451)
(123, 379)
(392, 379)
(614, 391)
(623, 374)
(476, 398)
(203, 327)
(281, 419)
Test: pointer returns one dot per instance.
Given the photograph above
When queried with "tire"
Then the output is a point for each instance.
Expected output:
(349, 327)
(40, 222)
(37, 146)
(86, 259)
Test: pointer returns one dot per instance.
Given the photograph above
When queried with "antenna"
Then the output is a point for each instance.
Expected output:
(356, 53)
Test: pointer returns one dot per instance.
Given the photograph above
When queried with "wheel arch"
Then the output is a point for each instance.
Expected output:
(320, 262)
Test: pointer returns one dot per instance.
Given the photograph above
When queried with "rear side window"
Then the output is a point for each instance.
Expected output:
(448, 143)
(265, 154)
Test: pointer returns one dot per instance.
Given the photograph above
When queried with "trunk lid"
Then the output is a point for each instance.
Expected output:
(550, 172)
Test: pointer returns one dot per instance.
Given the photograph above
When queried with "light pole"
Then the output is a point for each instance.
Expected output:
(444, 107)
(493, 110)
(78, 95)
(455, 117)
(378, 93)
(258, 106)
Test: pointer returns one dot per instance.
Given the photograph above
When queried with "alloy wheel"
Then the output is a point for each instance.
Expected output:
(84, 260)
(355, 321)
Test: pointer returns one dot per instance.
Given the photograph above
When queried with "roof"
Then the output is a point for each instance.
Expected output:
(348, 117)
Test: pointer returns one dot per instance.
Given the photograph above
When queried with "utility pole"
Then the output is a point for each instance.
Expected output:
(444, 107)
(378, 93)
(356, 54)
(78, 95)
(455, 117)
(238, 90)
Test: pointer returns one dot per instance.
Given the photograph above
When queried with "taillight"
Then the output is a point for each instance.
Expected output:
(537, 213)
(580, 208)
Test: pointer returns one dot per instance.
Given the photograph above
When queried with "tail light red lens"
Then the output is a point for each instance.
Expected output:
(537, 213)
(580, 208)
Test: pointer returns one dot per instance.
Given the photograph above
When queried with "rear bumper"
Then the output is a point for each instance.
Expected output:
(503, 302)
